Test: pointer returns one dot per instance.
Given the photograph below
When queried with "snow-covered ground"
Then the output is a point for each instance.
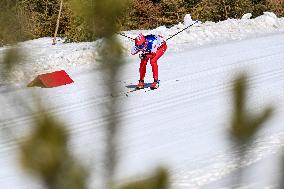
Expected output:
(181, 125)
(41, 57)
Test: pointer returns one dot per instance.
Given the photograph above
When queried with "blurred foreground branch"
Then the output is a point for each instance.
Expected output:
(244, 124)
(160, 180)
(45, 154)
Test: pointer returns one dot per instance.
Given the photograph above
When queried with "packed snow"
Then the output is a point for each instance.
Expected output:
(182, 125)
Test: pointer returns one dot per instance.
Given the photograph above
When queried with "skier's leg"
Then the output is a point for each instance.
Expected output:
(160, 52)
(154, 60)
(154, 69)
(142, 68)
(155, 84)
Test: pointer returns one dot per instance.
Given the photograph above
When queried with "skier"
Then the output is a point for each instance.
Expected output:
(149, 47)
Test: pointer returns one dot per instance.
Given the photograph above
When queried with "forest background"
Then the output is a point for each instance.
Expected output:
(37, 18)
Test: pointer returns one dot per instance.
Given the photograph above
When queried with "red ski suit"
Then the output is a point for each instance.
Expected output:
(154, 48)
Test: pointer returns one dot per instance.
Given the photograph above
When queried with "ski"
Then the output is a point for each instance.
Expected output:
(133, 89)
(141, 90)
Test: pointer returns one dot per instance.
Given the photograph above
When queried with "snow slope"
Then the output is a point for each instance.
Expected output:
(41, 57)
(181, 125)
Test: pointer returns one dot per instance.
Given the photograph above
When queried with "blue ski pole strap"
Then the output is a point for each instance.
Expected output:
(182, 30)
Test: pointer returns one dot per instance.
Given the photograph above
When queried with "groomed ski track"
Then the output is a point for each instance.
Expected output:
(181, 125)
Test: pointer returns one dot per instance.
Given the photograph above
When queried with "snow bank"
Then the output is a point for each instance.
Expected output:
(42, 57)
(212, 33)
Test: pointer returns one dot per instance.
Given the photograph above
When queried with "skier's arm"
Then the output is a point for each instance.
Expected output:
(134, 50)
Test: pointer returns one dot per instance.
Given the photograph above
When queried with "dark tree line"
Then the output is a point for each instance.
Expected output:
(38, 18)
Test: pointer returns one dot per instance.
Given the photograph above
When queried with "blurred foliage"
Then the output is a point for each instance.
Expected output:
(281, 176)
(244, 124)
(44, 153)
(11, 32)
(12, 56)
(160, 180)
(101, 18)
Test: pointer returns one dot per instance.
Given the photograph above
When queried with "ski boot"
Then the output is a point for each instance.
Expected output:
(155, 84)
(140, 84)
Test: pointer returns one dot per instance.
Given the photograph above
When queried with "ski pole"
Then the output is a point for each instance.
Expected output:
(122, 34)
(182, 30)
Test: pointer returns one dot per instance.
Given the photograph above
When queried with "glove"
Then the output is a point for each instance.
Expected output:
(142, 56)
